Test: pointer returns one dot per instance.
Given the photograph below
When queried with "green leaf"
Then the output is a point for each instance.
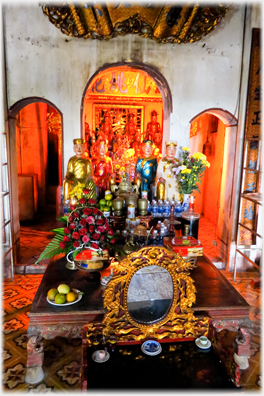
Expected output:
(74, 254)
(52, 249)
(80, 292)
(64, 219)
(59, 231)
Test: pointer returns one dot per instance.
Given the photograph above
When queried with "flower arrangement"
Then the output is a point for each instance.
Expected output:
(86, 227)
(191, 171)
(78, 190)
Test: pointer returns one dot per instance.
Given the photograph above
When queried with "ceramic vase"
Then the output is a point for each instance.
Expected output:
(185, 204)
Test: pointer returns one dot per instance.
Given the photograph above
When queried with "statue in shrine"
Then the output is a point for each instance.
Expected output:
(157, 146)
(166, 182)
(88, 140)
(146, 166)
(131, 128)
(137, 145)
(79, 169)
(118, 142)
(106, 130)
(153, 126)
(102, 167)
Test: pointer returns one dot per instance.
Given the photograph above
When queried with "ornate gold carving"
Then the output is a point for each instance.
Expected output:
(179, 322)
(106, 21)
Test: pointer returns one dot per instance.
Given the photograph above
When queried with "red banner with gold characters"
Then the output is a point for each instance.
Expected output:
(252, 143)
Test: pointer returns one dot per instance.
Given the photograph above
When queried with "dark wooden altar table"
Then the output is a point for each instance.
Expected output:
(215, 298)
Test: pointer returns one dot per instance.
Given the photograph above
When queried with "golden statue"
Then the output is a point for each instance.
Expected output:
(153, 127)
(79, 169)
(118, 142)
(166, 182)
(131, 128)
(137, 145)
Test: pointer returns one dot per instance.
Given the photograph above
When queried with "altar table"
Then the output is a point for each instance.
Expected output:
(215, 298)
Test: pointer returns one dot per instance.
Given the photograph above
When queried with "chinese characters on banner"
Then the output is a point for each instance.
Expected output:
(252, 141)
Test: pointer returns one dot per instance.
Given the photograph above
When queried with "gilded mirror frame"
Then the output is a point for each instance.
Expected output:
(179, 322)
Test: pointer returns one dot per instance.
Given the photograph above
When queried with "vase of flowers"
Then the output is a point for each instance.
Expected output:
(84, 238)
(191, 171)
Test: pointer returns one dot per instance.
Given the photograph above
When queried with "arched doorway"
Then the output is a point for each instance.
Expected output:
(122, 88)
(35, 127)
(214, 133)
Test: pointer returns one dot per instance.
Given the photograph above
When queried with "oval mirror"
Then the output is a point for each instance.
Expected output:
(150, 294)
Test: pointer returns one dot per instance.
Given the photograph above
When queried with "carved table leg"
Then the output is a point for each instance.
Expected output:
(231, 342)
(35, 357)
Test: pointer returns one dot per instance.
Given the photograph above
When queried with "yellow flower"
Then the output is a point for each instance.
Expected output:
(198, 156)
(186, 149)
(117, 166)
(183, 177)
(194, 178)
(186, 171)
(122, 169)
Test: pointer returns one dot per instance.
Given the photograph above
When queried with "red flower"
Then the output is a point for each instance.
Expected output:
(92, 201)
(111, 232)
(72, 207)
(107, 227)
(75, 235)
(82, 201)
(83, 231)
(66, 239)
(103, 237)
(90, 220)
(87, 211)
(76, 244)
(100, 229)
(95, 210)
(83, 222)
(62, 245)
(67, 230)
(113, 241)
(96, 236)
(100, 222)
(94, 245)
(72, 226)
(70, 219)
(85, 239)
(91, 228)
(192, 160)
(75, 215)
(86, 191)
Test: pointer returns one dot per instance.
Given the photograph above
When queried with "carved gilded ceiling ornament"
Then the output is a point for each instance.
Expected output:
(178, 322)
(165, 23)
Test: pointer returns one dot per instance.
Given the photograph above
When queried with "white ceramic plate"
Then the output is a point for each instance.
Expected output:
(96, 358)
(151, 347)
(206, 346)
(67, 303)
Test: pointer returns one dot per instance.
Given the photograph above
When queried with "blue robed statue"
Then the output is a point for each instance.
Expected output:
(146, 166)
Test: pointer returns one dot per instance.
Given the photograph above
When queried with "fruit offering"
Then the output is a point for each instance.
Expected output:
(106, 203)
(63, 294)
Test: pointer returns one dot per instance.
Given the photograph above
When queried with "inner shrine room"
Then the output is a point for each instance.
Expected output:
(131, 196)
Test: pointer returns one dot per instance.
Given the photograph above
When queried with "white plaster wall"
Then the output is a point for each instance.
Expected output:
(43, 62)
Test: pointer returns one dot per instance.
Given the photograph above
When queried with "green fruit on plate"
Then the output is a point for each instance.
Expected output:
(102, 202)
(60, 298)
(109, 203)
(52, 294)
(106, 209)
(108, 197)
(63, 288)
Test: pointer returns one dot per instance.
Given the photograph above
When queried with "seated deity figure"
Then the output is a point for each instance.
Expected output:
(131, 128)
(153, 127)
(166, 183)
(79, 169)
(146, 167)
(102, 167)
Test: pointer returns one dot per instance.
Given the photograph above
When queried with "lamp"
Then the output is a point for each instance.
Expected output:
(207, 147)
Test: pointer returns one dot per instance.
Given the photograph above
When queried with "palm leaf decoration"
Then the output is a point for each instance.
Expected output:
(53, 248)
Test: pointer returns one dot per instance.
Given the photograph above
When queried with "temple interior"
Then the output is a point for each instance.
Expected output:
(131, 141)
